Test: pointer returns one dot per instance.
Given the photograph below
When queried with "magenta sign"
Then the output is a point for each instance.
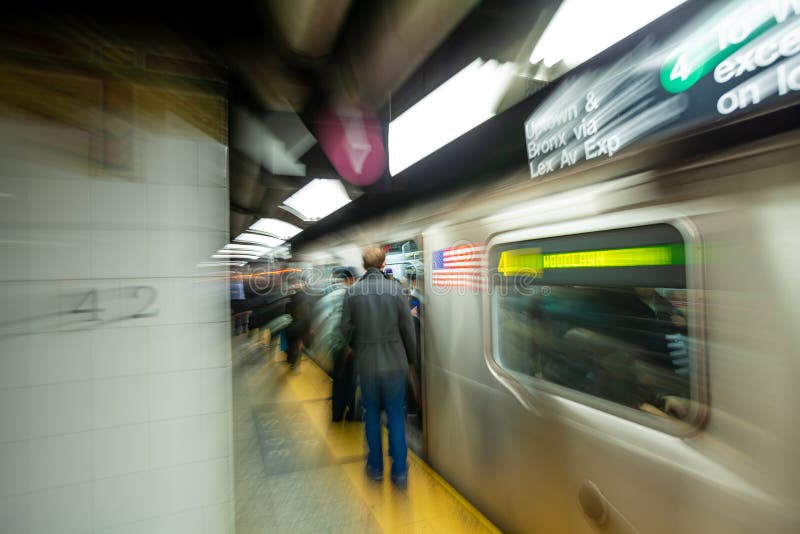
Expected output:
(353, 141)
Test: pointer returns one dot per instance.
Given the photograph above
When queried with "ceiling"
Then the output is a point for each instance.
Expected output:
(284, 64)
(289, 61)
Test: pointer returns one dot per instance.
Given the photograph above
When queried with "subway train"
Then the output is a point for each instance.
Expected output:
(610, 311)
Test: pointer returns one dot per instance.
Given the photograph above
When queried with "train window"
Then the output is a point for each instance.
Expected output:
(604, 314)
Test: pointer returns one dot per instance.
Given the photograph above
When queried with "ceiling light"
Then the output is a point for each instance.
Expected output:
(581, 29)
(248, 237)
(449, 111)
(276, 227)
(222, 263)
(239, 253)
(319, 198)
(249, 248)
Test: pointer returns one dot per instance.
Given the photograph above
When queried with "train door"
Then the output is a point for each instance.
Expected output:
(598, 328)
(404, 262)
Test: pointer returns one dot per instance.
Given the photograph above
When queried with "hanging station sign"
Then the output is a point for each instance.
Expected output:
(731, 58)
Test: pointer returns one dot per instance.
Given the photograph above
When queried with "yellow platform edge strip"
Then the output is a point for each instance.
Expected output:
(452, 491)
(482, 519)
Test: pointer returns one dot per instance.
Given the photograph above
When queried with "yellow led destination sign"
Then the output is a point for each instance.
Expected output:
(521, 261)
(531, 260)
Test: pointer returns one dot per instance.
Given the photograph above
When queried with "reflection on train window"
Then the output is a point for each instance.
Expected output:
(603, 313)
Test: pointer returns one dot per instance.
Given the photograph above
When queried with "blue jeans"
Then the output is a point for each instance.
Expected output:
(387, 389)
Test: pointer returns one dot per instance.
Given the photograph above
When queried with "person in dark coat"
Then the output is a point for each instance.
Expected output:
(343, 392)
(377, 323)
(300, 308)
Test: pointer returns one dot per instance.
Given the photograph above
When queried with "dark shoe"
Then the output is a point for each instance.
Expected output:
(400, 482)
(374, 473)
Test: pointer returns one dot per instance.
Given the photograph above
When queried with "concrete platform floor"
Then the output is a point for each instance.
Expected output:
(298, 472)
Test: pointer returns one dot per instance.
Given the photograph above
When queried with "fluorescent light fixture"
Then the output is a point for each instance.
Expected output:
(275, 227)
(239, 253)
(222, 263)
(581, 29)
(319, 198)
(243, 254)
(247, 248)
(449, 111)
(249, 237)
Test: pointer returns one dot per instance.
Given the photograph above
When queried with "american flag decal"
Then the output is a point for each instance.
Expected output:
(463, 266)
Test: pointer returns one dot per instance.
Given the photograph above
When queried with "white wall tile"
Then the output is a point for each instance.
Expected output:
(189, 439)
(218, 428)
(174, 348)
(172, 207)
(13, 361)
(59, 204)
(121, 450)
(137, 527)
(44, 307)
(190, 485)
(80, 297)
(217, 481)
(59, 254)
(216, 389)
(213, 164)
(220, 518)
(65, 510)
(176, 488)
(186, 305)
(176, 395)
(178, 441)
(120, 352)
(186, 522)
(60, 408)
(149, 301)
(181, 162)
(15, 252)
(121, 500)
(13, 201)
(214, 344)
(14, 308)
(209, 243)
(173, 253)
(212, 298)
(60, 460)
(119, 205)
(60, 357)
(212, 208)
(14, 514)
(189, 393)
(171, 160)
(119, 253)
(120, 401)
(14, 407)
(13, 468)
(58, 153)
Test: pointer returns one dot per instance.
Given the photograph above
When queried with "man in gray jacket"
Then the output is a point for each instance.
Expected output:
(377, 321)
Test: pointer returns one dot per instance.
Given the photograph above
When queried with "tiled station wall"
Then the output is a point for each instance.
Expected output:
(115, 402)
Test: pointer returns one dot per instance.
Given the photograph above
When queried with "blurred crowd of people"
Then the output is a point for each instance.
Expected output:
(364, 331)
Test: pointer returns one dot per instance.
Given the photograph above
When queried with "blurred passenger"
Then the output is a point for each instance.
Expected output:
(300, 307)
(377, 323)
(343, 393)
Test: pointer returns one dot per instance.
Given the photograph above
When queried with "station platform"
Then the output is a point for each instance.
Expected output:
(297, 471)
